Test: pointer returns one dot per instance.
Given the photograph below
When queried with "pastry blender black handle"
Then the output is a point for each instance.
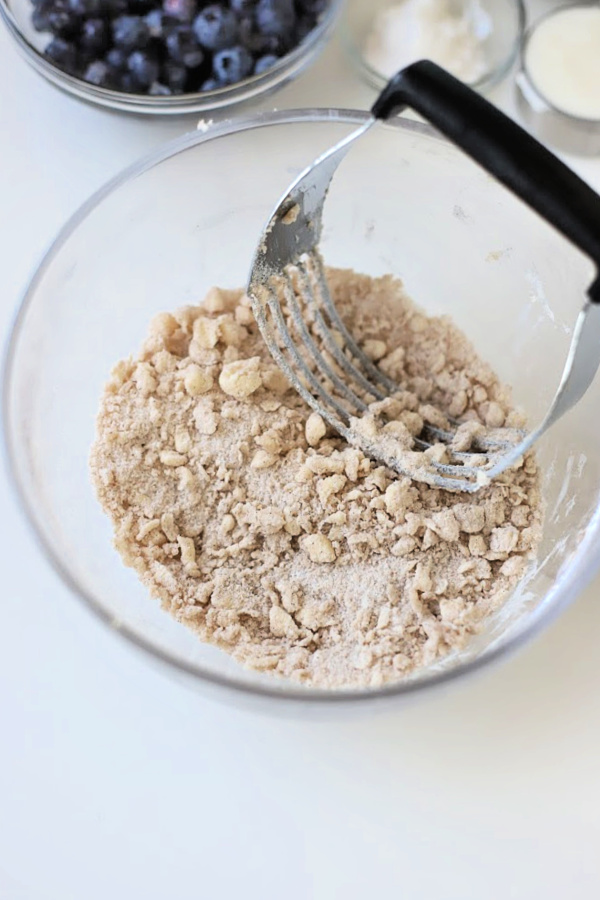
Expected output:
(503, 148)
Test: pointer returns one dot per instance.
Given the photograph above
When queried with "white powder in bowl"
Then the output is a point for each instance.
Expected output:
(448, 32)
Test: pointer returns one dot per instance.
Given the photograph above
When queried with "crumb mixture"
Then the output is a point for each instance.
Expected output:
(270, 536)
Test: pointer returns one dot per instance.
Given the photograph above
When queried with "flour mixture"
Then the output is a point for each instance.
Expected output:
(267, 534)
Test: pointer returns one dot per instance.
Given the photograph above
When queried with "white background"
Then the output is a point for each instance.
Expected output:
(116, 782)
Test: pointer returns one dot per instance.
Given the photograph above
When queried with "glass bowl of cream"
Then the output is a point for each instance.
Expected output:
(558, 85)
(476, 40)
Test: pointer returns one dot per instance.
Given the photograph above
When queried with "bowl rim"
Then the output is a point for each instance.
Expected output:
(558, 597)
(285, 69)
(487, 81)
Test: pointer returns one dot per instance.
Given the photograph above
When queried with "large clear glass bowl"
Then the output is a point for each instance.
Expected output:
(501, 46)
(188, 217)
(17, 17)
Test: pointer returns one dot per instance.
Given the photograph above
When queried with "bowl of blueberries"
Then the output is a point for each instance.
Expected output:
(169, 56)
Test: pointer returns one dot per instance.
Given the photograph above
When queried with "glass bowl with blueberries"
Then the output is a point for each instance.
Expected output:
(169, 56)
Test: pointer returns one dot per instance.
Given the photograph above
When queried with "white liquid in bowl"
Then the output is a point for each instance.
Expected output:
(563, 60)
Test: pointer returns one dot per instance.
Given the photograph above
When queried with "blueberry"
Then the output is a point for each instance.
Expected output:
(139, 7)
(303, 28)
(130, 32)
(175, 77)
(211, 84)
(232, 65)
(98, 73)
(158, 23)
(143, 67)
(62, 53)
(86, 8)
(116, 59)
(276, 17)
(216, 27)
(257, 43)
(39, 18)
(312, 7)
(155, 22)
(160, 90)
(242, 6)
(95, 36)
(184, 10)
(62, 21)
(183, 47)
(114, 8)
(265, 62)
(54, 16)
(128, 83)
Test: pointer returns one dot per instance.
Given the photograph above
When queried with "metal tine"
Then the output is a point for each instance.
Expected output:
(420, 444)
(325, 332)
(467, 471)
(280, 358)
(465, 477)
(450, 484)
(450, 468)
(334, 317)
(280, 322)
(520, 431)
(439, 481)
(484, 443)
(488, 459)
(299, 322)
(463, 470)
(456, 474)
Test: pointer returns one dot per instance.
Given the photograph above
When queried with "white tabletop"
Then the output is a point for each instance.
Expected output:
(116, 782)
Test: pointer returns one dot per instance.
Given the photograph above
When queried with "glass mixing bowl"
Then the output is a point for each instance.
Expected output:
(17, 16)
(188, 217)
(501, 46)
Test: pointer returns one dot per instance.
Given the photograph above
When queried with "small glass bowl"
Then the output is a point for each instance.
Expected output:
(405, 202)
(560, 129)
(508, 20)
(17, 16)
